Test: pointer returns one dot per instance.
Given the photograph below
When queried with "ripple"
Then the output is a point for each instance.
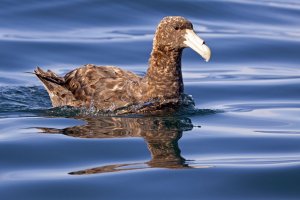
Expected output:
(241, 74)
(249, 161)
(98, 35)
(21, 98)
(285, 132)
(252, 162)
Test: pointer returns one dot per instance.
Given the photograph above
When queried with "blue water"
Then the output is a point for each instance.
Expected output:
(242, 143)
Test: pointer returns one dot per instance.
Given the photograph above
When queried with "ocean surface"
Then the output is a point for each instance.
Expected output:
(243, 142)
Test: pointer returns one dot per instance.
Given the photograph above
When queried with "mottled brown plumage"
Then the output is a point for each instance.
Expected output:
(108, 88)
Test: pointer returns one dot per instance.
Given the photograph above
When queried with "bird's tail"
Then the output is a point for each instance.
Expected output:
(48, 76)
(59, 94)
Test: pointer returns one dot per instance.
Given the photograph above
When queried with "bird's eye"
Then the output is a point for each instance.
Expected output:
(176, 28)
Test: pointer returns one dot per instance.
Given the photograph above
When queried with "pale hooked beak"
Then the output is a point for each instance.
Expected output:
(197, 44)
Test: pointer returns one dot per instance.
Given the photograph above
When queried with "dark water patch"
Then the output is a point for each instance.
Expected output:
(10, 80)
(19, 98)
(254, 50)
(269, 182)
(220, 94)
(32, 54)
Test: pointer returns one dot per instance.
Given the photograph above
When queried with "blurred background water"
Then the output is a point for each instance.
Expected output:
(244, 144)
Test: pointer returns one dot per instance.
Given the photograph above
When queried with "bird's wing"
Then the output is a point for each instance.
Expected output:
(104, 87)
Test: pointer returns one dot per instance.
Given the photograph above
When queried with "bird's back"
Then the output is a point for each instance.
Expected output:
(105, 88)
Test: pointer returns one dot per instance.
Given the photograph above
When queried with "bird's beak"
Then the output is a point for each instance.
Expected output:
(197, 44)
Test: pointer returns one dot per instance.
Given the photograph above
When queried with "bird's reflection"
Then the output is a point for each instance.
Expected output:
(161, 135)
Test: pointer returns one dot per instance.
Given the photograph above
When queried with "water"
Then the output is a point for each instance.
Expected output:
(242, 143)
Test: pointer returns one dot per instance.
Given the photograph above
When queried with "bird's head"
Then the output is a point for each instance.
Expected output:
(177, 33)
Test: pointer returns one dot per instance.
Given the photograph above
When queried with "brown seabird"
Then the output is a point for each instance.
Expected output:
(111, 89)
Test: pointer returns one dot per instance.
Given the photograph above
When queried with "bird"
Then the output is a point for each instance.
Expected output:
(110, 89)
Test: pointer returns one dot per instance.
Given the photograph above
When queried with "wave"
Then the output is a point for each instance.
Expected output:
(23, 99)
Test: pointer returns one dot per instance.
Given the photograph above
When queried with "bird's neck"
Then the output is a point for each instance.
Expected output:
(164, 77)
